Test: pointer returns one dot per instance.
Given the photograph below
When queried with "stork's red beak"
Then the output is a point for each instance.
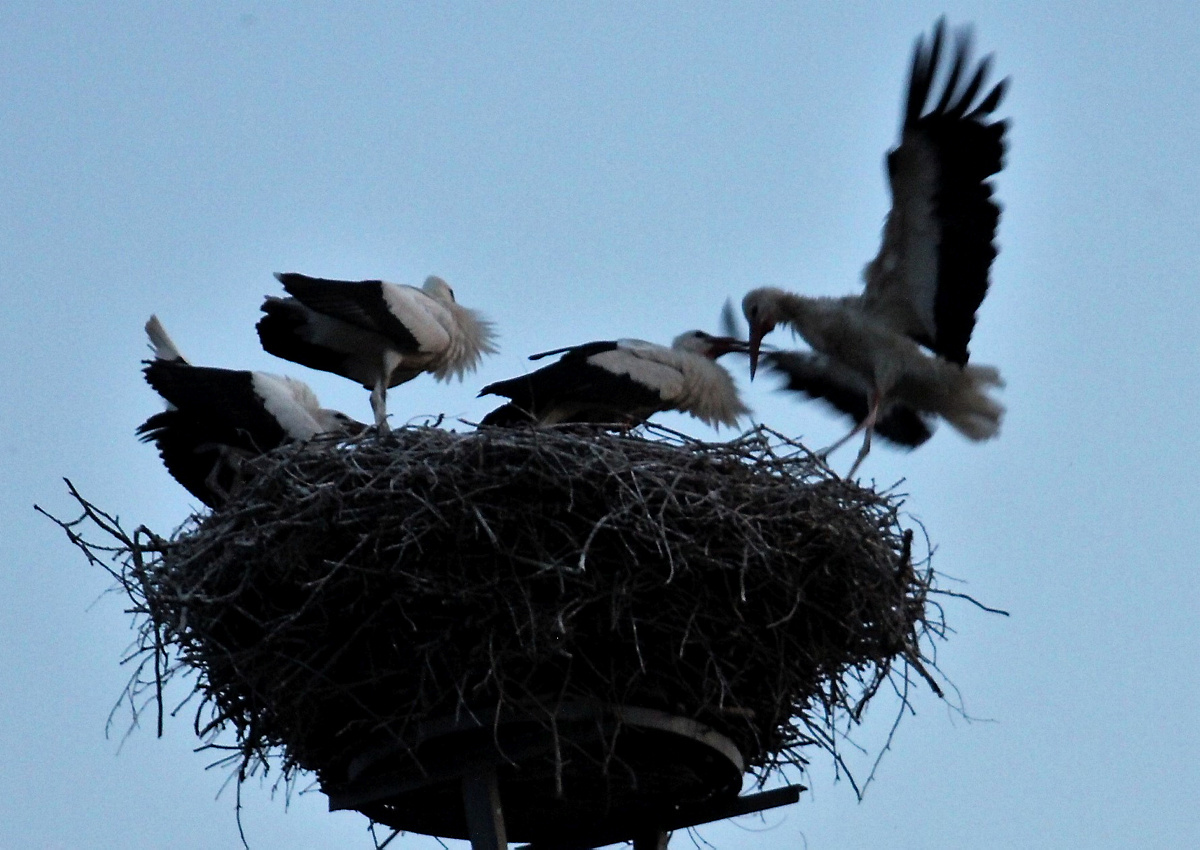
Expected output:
(719, 345)
(353, 427)
(757, 332)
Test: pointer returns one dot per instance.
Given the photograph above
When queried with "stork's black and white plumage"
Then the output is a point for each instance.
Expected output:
(895, 357)
(624, 382)
(216, 417)
(819, 377)
(376, 333)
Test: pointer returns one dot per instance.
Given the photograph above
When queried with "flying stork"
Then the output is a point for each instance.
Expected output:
(895, 357)
(217, 417)
(624, 382)
(376, 333)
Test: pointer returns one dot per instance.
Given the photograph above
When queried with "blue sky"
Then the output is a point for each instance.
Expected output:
(592, 170)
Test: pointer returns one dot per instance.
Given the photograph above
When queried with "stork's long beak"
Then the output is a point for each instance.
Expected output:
(757, 332)
(353, 427)
(719, 345)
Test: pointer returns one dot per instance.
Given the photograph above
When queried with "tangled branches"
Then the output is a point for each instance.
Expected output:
(351, 591)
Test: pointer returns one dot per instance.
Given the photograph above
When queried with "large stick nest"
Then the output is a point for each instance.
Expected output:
(352, 590)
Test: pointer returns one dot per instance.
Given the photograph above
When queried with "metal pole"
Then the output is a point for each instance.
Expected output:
(481, 801)
(653, 840)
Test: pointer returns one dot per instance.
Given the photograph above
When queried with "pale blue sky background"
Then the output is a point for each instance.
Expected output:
(590, 170)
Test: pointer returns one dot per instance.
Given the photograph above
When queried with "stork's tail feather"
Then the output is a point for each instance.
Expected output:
(984, 376)
(972, 412)
(161, 342)
(284, 331)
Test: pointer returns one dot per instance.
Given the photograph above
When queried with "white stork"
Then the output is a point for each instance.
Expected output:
(624, 382)
(895, 357)
(376, 333)
(216, 417)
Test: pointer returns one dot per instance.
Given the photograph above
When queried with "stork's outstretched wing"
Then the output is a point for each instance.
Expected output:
(931, 273)
(821, 377)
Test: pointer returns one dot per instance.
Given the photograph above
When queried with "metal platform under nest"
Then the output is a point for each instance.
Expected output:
(587, 776)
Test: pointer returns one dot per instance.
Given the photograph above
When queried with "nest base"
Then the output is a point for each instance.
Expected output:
(594, 770)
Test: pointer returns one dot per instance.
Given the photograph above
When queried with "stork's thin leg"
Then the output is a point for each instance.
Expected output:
(212, 480)
(379, 406)
(868, 425)
(862, 453)
(228, 460)
(824, 453)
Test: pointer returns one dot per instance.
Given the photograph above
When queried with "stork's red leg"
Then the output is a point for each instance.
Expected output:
(867, 425)
(824, 453)
(379, 405)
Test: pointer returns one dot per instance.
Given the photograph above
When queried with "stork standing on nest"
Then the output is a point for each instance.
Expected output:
(624, 382)
(376, 333)
(216, 417)
(895, 357)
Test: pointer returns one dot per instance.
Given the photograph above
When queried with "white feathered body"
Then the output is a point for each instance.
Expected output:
(623, 381)
(684, 379)
(892, 362)
(376, 333)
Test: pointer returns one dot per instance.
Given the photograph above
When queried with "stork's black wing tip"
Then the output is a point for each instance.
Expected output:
(905, 426)
(289, 279)
(956, 99)
(989, 104)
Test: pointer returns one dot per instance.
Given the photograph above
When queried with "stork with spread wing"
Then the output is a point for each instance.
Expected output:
(895, 357)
